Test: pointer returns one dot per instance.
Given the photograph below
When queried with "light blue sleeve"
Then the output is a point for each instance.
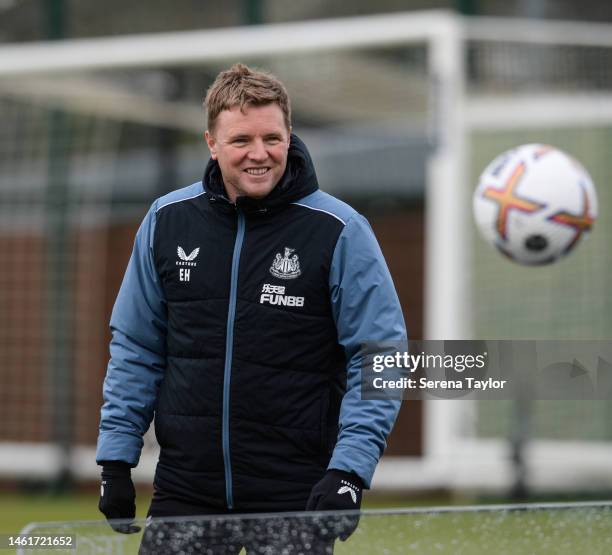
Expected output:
(366, 308)
(138, 354)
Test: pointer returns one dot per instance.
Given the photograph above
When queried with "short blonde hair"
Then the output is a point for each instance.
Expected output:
(242, 86)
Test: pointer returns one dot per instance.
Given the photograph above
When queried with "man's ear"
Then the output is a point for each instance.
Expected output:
(212, 145)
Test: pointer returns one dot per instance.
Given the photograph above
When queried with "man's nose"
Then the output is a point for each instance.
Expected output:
(258, 151)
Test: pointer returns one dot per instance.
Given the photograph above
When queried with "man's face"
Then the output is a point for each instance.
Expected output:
(251, 149)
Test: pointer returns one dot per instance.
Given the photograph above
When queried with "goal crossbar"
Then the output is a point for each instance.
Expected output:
(193, 47)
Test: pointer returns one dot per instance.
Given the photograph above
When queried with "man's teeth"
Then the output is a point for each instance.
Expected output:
(256, 171)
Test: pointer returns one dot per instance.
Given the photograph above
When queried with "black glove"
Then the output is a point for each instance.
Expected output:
(337, 491)
(118, 496)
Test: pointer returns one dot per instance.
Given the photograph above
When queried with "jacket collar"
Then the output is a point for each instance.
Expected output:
(298, 181)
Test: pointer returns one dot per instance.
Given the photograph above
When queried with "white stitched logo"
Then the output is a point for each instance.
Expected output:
(287, 266)
(187, 257)
(348, 488)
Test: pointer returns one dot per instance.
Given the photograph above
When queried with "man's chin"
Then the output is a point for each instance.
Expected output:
(257, 191)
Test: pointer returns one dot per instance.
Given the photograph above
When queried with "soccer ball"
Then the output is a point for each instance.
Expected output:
(534, 203)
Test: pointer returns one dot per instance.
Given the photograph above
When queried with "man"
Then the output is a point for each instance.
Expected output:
(239, 324)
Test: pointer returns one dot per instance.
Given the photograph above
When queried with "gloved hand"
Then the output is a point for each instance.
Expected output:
(337, 491)
(118, 496)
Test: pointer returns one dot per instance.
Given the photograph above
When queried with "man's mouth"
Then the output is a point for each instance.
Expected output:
(257, 171)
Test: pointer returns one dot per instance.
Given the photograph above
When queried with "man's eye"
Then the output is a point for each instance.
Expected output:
(273, 140)
(239, 141)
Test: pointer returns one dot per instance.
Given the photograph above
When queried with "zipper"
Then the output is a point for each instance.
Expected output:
(227, 373)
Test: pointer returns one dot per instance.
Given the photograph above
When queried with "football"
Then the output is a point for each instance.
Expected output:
(534, 203)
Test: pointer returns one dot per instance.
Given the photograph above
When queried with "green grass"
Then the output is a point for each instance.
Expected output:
(19, 509)
(545, 532)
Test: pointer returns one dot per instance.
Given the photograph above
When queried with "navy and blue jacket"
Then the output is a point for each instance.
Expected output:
(239, 328)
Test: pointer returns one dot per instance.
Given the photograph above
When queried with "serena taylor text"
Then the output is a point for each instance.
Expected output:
(438, 385)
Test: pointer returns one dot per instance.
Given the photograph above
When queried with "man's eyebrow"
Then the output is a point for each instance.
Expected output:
(240, 136)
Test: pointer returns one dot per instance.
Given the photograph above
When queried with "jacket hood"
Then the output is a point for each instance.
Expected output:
(298, 181)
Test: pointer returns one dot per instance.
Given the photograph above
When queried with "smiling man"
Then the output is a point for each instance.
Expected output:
(239, 327)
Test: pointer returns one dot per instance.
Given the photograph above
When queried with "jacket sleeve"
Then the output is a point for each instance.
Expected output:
(138, 357)
(366, 308)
